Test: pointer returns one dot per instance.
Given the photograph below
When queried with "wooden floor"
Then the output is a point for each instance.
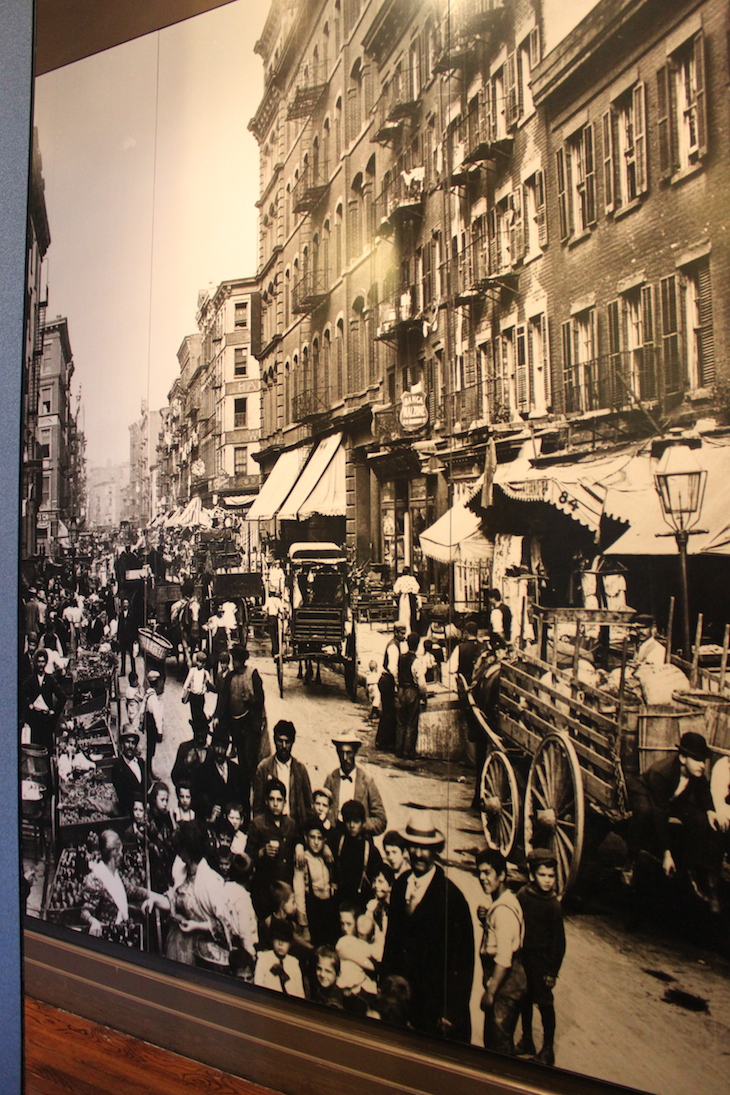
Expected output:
(65, 1055)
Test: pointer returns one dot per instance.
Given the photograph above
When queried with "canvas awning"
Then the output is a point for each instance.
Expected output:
(456, 538)
(632, 498)
(321, 486)
(277, 487)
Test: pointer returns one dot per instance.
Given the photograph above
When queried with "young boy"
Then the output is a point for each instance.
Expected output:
(377, 908)
(314, 887)
(197, 683)
(371, 686)
(356, 858)
(234, 814)
(276, 969)
(184, 810)
(326, 972)
(321, 804)
(542, 952)
(395, 852)
(503, 973)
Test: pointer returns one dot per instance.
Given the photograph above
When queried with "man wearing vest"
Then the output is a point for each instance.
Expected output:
(411, 692)
(385, 738)
(240, 710)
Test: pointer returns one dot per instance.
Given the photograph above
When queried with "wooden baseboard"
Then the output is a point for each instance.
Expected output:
(295, 1048)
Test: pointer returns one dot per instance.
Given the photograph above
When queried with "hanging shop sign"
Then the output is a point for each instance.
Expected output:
(413, 411)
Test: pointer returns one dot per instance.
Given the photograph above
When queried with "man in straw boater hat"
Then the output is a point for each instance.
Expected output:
(430, 940)
(673, 818)
(349, 781)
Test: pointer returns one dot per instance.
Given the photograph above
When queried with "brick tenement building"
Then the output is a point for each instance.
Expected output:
(465, 242)
(634, 106)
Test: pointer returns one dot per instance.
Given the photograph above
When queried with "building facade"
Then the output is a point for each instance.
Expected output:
(61, 444)
(469, 246)
(141, 494)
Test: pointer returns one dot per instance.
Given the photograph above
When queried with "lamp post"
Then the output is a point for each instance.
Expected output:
(680, 483)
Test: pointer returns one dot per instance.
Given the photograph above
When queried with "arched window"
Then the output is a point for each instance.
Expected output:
(316, 376)
(327, 388)
(287, 211)
(338, 26)
(325, 254)
(338, 240)
(287, 297)
(369, 197)
(371, 345)
(338, 128)
(326, 50)
(287, 394)
(354, 102)
(355, 347)
(326, 148)
(354, 218)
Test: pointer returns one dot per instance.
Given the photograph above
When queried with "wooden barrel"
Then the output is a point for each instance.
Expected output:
(34, 763)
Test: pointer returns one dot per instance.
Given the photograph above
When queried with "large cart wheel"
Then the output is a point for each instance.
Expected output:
(555, 806)
(351, 665)
(499, 802)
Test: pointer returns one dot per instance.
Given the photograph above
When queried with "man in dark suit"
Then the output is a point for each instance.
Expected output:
(126, 635)
(219, 781)
(41, 702)
(673, 817)
(129, 773)
(430, 939)
(292, 773)
(348, 782)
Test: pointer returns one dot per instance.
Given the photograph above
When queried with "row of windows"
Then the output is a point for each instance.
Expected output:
(616, 150)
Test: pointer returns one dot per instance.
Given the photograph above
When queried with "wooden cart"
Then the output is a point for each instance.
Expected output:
(559, 747)
(319, 627)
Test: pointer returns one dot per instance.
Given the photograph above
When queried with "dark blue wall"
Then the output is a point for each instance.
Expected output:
(16, 21)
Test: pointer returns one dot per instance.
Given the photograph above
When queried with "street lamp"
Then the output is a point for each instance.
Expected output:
(680, 483)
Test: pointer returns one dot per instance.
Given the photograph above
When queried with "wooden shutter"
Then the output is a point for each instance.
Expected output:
(590, 174)
(639, 102)
(547, 377)
(568, 380)
(667, 119)
(540, 209)
(521, 379)
(510, 86)
(700, 94)
(490, 112)
(516, 230)
(562, 194)
(611, 388)
(648, 384)
(427, 277)
(706, 368)
(670, 335)
(493, 242)
(608, 167)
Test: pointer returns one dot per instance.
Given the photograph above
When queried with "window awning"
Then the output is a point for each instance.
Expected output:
(456, 538)
(633, 499)
(277, 487)
(321, 486)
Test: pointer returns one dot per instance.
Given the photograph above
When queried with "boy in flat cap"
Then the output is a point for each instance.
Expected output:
(542, 951)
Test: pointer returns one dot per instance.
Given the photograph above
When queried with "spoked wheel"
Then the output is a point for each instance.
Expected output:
(350, 665)
(555, 806)
(499, 802)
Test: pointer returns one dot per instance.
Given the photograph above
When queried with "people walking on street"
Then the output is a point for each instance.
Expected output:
(412, 694)
(388, 683)
(407, 592)
(240, 710)
(349, 781)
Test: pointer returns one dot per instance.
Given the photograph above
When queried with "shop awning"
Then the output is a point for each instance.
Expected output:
(277, 487)
(456, 538)
(573, 486)
(632, 498)
(193, 515)
(321, 486)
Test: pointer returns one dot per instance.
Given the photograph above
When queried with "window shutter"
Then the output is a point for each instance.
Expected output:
(568, 395)
(640, 138)
(648, 370)
(490, 113)
(664, 128)
(510, 83)
(516, 230)
(562, 194)
(670, 335)
(706, 343)
(590, 174)
(534, 48)
(521, 380)
(540, 209)
(608, 168)
(547, 378)
(493, 248)
(700, 95)
(611, 388)
(427, 279)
